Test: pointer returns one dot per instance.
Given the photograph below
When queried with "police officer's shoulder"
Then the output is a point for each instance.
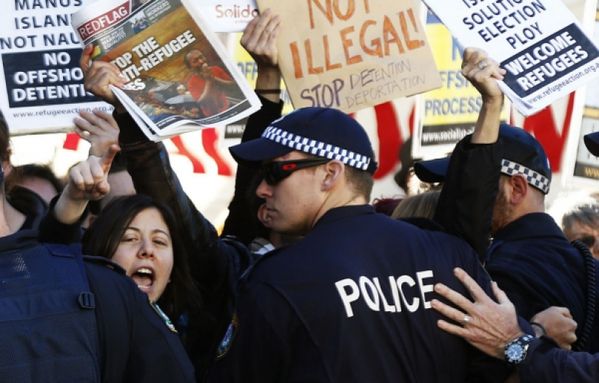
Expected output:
(106, 278)
(74, 250)
(434, 235)
(105, 262)
(423, 223)
(262, 263)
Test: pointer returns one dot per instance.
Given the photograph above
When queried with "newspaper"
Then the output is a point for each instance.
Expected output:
(177, 75)
(539, 43)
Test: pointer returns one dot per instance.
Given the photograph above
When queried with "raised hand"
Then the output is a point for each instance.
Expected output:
(99, 129)
(482, 72)
(88, 180)
(99, 75)
(259, 38)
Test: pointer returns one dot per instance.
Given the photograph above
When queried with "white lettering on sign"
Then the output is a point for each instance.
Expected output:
(371, 292)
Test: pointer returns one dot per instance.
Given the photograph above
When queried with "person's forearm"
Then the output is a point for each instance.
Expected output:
(547, 363)
(67, 210)
(52, 230)
(269, 78)
(486, 130)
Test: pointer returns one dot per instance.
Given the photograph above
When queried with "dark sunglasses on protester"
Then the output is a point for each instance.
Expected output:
(276, 171)
(588, 240)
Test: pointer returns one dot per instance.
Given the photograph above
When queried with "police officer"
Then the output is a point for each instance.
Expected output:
(66, 320)
(530, 258)
(351, 301)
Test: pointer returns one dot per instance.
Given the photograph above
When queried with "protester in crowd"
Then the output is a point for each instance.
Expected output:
(385, 205)
(84, 321)
(421, 205)
(215, 264)
(496, 184)
(491, 325)
(38, 178)
(405, 173)
(582, 224)
(142, 236)
(323, 309)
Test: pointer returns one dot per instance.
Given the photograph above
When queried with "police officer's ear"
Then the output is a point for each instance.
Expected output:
(519, 188)
(334, 172)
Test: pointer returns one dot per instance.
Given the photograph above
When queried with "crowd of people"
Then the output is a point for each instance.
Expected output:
(117, 277)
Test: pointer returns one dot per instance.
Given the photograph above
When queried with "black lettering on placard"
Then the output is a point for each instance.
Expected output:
(549, 60)
(27, 5)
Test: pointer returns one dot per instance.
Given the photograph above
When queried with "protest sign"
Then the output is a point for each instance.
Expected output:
(178, 77)
(581, 167)
(538, 42)
(352, 54)
(41, 84)
(227, 15)
(449, 112)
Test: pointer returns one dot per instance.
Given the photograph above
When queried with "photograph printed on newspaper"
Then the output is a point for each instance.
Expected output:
(539, 42)
(178, 75)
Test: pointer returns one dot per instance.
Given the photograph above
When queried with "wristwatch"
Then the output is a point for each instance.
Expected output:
(515, 351)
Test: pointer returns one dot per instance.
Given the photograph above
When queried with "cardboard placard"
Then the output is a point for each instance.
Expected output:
(352, 54)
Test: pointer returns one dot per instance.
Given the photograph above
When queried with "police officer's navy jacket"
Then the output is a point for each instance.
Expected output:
(350, 303)
(546, 363)
(133, 342)
(531, 259)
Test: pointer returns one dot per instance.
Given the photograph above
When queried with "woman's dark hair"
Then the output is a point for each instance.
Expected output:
(4, 139)
(104, 235)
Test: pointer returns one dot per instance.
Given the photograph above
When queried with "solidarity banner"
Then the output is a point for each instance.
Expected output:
(351, 54)
(178, 76)
(538, 42)
(41, 84)
(227, 15)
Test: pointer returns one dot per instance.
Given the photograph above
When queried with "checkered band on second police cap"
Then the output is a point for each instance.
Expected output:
(535, 179)
(316, 148)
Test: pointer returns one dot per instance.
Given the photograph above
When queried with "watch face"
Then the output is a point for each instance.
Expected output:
(514, 353)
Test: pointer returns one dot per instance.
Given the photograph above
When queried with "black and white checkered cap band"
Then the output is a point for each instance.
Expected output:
(316, 148)
(534, 178)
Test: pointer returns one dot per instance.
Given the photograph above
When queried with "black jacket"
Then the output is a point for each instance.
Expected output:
(351, 303)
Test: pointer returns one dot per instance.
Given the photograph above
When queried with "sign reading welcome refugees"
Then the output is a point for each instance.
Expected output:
(538, 42)
(351, 54)
(41, 84)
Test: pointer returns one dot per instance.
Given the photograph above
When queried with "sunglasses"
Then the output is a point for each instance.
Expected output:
(588, 240)
(276, 171)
